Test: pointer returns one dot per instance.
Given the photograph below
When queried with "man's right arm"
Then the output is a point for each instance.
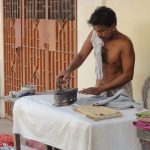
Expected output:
(78, 59)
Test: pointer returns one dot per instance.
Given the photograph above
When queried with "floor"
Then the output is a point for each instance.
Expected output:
(5, 126)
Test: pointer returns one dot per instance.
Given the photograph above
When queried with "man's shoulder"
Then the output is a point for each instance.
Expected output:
(123, 42)
(124, 38)
(126, 44)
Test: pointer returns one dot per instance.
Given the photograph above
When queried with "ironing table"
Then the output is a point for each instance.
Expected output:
(35, 117)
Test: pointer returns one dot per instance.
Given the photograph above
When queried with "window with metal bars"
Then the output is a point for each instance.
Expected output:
(35, 9)
(11, 8)
(61, 9)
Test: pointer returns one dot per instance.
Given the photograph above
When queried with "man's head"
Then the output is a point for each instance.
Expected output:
(104, 21)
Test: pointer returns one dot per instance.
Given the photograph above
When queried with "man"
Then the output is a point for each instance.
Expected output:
(114, 55)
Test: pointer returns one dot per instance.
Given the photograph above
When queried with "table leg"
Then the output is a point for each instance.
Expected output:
(56, 148)
(17, 142)
(49, 147)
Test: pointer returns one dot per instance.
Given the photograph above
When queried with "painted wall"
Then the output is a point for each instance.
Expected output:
(2, 108)
(1, 50)
(134, 21)
(86, 73)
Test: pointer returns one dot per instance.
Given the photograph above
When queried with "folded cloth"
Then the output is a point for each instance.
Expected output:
(35, 144)
(120, 100)
(97, 112)
(144, 119)
(6, 139)
(21, 93)
(143, 114)
(141, 125)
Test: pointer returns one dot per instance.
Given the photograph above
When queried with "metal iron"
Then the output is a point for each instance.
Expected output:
(64, 96)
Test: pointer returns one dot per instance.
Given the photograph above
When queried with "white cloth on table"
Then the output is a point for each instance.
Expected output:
(36, 118)
(97, 43)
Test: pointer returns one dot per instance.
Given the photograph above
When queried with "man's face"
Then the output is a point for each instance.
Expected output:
(103, 32)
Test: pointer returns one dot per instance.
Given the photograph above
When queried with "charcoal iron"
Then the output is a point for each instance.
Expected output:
(64, 96)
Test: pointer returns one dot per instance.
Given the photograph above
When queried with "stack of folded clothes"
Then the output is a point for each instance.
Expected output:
(143, 120)
(97, 112)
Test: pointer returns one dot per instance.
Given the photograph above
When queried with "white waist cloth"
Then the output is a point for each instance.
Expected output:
(36, 118)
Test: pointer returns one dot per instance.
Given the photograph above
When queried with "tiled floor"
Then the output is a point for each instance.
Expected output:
(5, 126)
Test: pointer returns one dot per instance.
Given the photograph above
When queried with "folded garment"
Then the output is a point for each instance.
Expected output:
(35, 144)
(120, 100)
(141, 125)
(144, 119)
(21, 93)
(143, 114)
(97, 112)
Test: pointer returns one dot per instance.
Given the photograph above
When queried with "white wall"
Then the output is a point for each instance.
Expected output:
(86, 73)
(1, 50)
(2, 114)
(134, 21)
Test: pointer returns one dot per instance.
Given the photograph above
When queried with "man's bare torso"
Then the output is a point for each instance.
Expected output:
(112, 58)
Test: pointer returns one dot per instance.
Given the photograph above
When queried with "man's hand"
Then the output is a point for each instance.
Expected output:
(63, 77)
(91, 90)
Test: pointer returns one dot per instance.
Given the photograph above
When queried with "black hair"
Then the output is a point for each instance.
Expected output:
(103, 16)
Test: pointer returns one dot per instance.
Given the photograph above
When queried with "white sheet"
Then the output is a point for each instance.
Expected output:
(36, 118)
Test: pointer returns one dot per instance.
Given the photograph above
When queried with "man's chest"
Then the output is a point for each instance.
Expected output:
(111, 54)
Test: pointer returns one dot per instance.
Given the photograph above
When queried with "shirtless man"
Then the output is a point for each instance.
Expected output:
(117, 53)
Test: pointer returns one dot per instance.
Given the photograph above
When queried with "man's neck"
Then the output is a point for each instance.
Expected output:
(114, 34)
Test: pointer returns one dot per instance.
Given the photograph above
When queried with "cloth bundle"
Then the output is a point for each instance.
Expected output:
(97, 112)
(143, 120)
(6, 140)
(120, 100)
(35, 145)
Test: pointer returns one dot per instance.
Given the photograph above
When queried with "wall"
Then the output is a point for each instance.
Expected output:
(2, 114)
(134, 21)
(86, 73)
(1, 50)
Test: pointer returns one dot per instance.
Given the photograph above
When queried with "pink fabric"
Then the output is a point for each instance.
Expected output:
(6, 139)
(36, 145)
(142, 125)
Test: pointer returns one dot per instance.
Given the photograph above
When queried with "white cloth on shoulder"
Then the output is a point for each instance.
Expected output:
(97, 43)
